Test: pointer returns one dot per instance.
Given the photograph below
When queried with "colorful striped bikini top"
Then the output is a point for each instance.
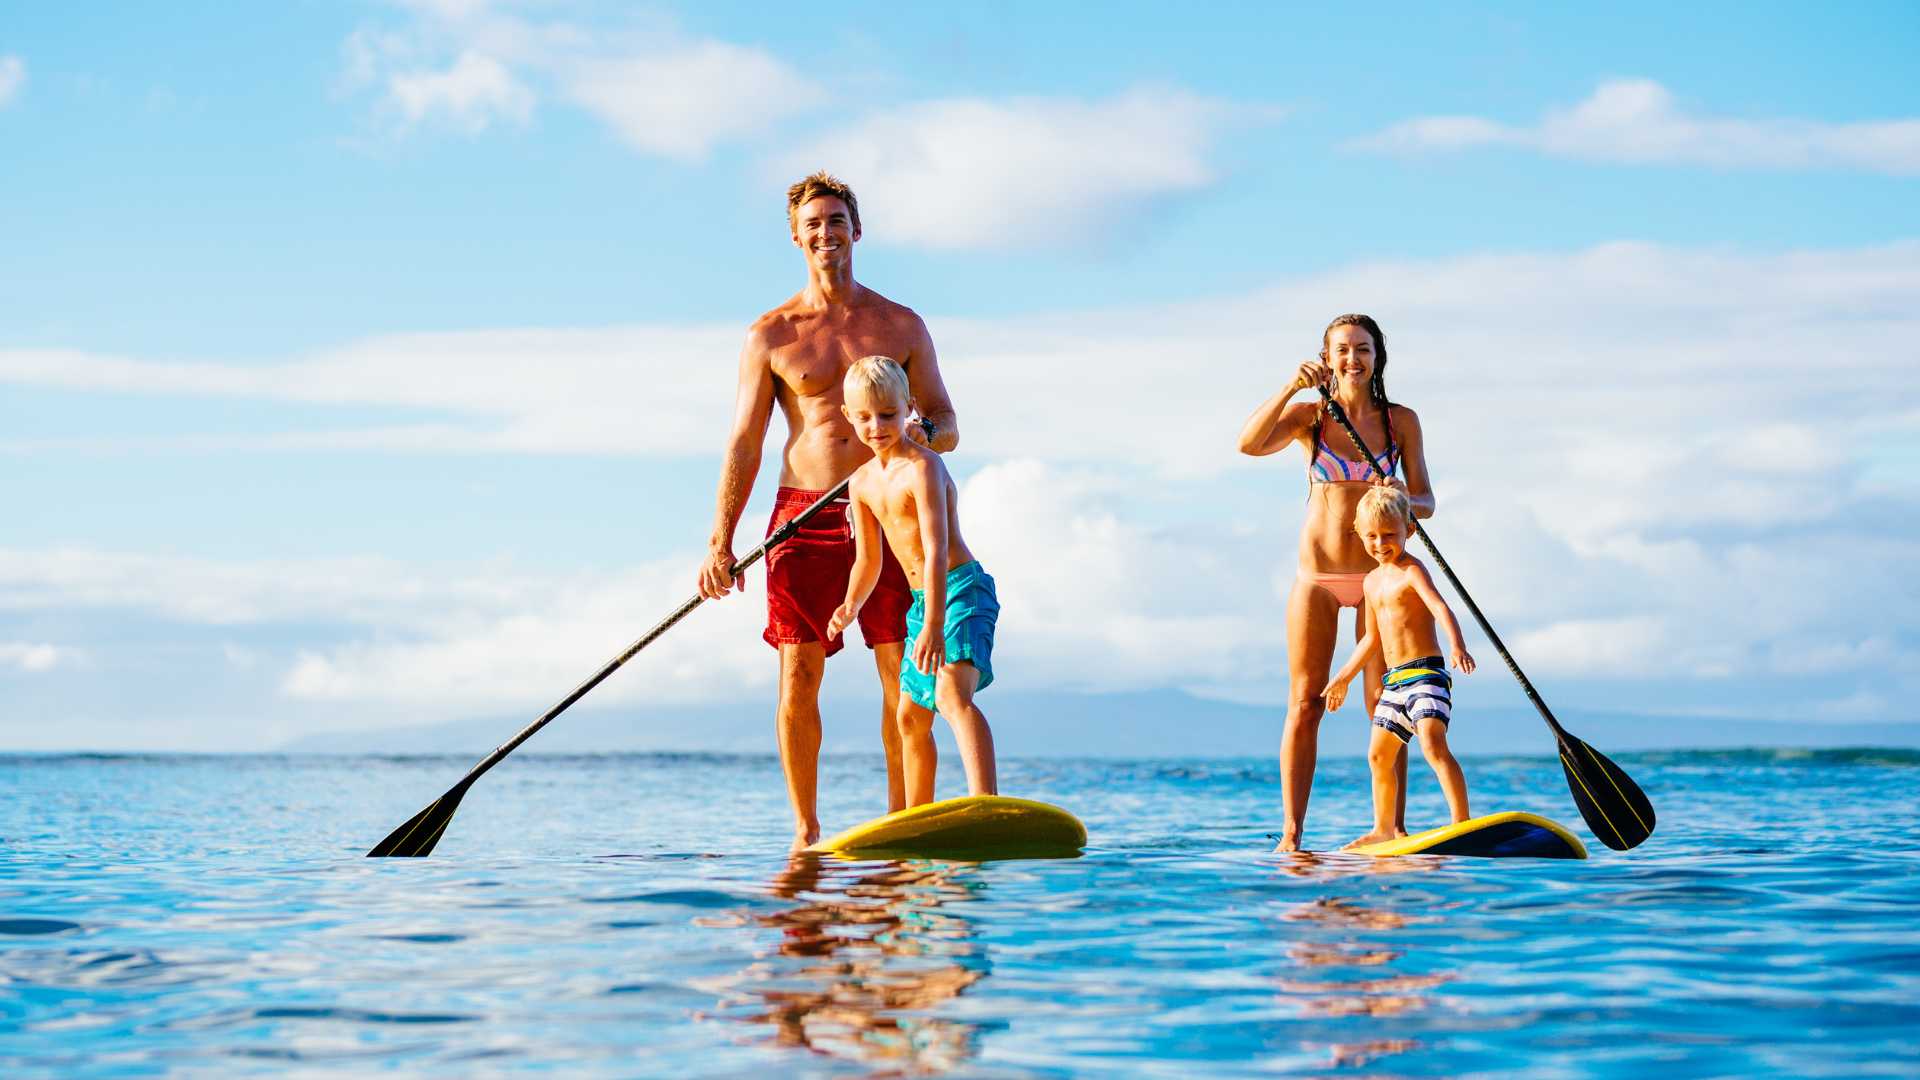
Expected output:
(1330, 468)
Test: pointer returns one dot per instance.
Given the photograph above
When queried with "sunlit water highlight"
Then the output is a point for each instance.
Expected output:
(636, 915)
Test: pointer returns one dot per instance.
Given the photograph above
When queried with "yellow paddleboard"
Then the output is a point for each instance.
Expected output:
(1510, 835)
(975, 827)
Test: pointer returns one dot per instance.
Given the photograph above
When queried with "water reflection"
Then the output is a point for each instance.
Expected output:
(1342, 942)
(863, 957)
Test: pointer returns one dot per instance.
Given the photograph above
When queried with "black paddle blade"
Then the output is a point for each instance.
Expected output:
(1616, 809)
(417, 837)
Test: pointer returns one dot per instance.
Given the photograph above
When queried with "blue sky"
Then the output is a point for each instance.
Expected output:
(366, 363)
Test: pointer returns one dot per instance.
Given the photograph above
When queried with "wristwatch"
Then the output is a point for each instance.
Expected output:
(927, 428)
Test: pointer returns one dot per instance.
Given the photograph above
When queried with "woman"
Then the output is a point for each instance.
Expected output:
(1352, 365)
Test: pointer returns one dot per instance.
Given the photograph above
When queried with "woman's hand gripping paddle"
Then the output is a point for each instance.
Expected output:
(1617, 811)
(422, 830)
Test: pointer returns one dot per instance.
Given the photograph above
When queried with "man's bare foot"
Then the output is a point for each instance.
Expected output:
(1374, 837)
(805, 836)
(1288, 842)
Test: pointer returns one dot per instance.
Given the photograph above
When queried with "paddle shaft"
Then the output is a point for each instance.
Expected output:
(776, 538)
(1340, 415)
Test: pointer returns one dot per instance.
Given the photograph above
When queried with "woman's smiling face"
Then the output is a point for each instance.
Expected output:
(1350, 355)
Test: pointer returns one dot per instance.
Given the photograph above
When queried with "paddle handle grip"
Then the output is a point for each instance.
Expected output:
(1366, 454)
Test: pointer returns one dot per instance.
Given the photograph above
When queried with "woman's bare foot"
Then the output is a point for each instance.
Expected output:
(1288, 842)
(805, 836)
(1374, 837)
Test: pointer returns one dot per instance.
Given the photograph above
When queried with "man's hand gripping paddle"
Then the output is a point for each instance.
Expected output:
(1616, 809)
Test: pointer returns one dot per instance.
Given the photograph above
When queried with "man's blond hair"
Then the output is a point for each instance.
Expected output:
(1382, 504)
(821, 183)
(879, 378)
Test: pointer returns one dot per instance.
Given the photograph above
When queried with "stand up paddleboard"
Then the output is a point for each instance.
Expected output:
(1510, 835)
(975, 827)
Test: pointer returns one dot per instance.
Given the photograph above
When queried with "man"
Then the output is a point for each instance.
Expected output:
(796, 357)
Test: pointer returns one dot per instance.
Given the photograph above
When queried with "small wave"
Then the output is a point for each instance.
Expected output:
(26, 927)
(1881, 756)
(363, 1016)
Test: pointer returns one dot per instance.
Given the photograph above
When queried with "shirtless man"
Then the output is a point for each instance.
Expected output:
(796, 357)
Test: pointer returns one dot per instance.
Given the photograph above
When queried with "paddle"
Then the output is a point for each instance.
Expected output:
(422, 830)
(1617, 811)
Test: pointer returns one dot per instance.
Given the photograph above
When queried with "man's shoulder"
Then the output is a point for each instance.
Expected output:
(892, 310)
(776, 323)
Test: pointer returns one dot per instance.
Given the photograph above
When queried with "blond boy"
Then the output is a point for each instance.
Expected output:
(1404, 611)
(905, 495)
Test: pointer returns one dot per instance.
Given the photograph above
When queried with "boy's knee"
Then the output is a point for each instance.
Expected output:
(1433, 737)
(951, 699)
(914, 721)
(1385, 753)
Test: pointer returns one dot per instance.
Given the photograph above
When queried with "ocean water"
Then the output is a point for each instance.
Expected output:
(638, 916)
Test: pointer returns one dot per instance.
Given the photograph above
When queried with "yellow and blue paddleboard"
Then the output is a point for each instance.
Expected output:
(1513, 834)
(974, 827)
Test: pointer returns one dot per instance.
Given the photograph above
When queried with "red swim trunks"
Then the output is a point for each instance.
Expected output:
(807, 579)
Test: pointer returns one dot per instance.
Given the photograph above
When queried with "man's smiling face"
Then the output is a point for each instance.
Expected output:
(823, 228)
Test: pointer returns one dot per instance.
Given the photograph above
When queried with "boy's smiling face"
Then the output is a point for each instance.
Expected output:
(879, 420)
(1384, 536)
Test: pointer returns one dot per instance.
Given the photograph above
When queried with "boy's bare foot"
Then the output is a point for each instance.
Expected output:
(1288, 842)
(1374, 837)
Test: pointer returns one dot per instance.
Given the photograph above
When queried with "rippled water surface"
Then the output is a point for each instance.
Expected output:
(636, 915)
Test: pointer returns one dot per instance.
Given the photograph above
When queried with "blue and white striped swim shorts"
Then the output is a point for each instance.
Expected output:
(1412, 692)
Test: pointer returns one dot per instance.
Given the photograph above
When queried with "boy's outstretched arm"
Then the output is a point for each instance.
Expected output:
(930, 497)
(1442, 614)
(1336, 692)
(866, 566)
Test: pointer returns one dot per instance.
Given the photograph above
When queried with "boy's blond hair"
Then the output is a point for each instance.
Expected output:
(808, 188)
(880, 378)
(1382, 504)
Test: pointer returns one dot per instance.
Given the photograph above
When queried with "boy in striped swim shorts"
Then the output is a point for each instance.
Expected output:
(1405, 613)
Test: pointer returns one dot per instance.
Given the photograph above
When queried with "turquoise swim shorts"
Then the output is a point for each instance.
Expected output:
(972, 610)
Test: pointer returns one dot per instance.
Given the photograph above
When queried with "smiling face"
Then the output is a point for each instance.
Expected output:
(878, 418)
(1350, 353)
(1383, 535)
(824, 229)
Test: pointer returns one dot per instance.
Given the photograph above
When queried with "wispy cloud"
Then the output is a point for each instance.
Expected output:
(1021, 173)
(35, 656)
(476, 90)
(960, 173)
(13, 75)
(680, 104)
(1637, 121)
(662, 92)
(1645, 457)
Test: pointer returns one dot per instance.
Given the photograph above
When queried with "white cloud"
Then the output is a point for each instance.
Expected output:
(1646, 460)
(33, 657)
(538, 391)
(681, 104)
(491, 657)
(1637, 121)
(664, 93)
(1018, 173)
(1097, 599)
(13, 75)
(476, 90)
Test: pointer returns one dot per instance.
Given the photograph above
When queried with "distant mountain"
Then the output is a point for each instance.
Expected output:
(1160, 723)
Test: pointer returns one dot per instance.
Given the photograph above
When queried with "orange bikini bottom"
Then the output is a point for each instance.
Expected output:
(1344, 588)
